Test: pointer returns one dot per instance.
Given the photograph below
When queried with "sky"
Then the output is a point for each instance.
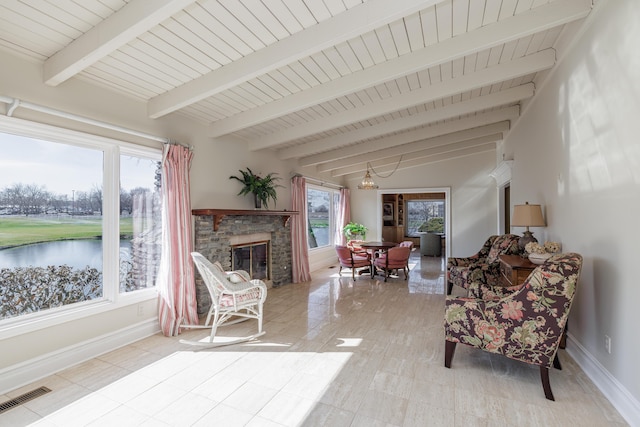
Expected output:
(62, 168)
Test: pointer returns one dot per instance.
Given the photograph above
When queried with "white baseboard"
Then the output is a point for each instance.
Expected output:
(35, 369)
(617, 394)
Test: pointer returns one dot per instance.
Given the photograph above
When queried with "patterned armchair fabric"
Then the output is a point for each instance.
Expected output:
(484, 266)
(492, 289)
(526, 325)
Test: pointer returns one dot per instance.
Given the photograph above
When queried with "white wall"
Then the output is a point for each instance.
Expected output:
(473, 198)
(215, 160)
(576, 152)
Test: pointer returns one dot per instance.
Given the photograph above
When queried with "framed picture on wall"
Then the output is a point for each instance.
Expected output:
(387, 212)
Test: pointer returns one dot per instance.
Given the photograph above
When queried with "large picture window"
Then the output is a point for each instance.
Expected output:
(72, 232)
(322, 208)
(140, 222)
(425, 216)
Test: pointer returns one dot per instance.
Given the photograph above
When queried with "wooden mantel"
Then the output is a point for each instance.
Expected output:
(218, 214)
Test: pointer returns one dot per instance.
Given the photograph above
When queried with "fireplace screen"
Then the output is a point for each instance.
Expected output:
(252, 258)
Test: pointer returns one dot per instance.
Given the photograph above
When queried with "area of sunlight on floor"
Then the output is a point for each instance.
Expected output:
(181, 386)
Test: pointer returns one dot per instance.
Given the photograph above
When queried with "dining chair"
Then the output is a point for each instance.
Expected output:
(396, 258)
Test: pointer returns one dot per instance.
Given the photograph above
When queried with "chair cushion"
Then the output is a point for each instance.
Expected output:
(398, 257)
(235, 277)
(218, 266)
(357, 258)
(227, 300)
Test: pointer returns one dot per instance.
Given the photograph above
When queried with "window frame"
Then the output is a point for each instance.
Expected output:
(334, 200)
(111, 298)
(407, 210)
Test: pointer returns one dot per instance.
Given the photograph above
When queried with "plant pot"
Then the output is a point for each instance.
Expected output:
(539, 258)
(257, 201)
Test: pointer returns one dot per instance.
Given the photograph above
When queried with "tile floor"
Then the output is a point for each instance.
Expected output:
(336, 353)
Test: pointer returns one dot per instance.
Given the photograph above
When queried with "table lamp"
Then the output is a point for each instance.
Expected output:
(527, 216)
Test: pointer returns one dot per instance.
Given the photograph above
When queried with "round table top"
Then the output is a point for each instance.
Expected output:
(377, 245)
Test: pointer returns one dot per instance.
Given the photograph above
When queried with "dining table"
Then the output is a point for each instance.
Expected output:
(372, 248)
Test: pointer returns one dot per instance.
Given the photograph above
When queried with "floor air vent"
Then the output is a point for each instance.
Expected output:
(17, 401)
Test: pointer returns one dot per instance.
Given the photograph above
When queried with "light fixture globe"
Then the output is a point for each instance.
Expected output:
(367, 182)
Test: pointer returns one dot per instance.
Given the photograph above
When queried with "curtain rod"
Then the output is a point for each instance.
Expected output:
(15, 103)
(319, 182)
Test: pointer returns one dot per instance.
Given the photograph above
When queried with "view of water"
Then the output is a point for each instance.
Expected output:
(74, 253)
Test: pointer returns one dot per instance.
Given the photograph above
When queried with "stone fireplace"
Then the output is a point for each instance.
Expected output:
(217, 231)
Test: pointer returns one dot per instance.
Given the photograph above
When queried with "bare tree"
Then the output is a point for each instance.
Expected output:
(36, 198)
(96, 198)
(13, 197)
(126, 202)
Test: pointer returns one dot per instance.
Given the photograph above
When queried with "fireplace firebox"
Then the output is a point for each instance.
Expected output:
(253, 258)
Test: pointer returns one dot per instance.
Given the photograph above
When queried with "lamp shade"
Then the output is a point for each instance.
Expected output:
(527, 216)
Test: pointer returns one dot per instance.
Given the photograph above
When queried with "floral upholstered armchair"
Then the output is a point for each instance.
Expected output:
(483, 266)
(526, 325)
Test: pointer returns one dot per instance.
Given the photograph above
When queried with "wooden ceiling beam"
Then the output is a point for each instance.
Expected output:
(389, 163)
(417, 143)
(408, 164)
(509, 70)
(538, 19)
(132, 20)
(331, 145)
(344, 26)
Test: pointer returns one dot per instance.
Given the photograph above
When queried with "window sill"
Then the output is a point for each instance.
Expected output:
(36, 321)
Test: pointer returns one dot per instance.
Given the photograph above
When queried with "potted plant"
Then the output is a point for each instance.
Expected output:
(262, 188)
(355, 231)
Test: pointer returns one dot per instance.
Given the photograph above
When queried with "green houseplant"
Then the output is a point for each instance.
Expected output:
(262, 188)
(353, 230)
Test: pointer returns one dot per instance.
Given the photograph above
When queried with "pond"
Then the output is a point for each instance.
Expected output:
(74, 253)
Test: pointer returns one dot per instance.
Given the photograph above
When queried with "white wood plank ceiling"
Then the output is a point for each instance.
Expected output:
(331, 84)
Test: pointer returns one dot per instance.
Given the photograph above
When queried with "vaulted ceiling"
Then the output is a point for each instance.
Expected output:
(331, 84)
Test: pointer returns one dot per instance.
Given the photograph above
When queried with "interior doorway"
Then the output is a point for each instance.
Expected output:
(396, 223)
(507, 207)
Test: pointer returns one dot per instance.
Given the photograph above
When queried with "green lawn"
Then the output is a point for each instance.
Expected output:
(16, 231)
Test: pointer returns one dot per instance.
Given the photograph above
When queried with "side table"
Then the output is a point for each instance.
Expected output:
(514, 269)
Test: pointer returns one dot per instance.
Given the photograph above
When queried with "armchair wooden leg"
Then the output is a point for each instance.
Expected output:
(556, 363)
(449, 287)
(449, 350)
(544, 375)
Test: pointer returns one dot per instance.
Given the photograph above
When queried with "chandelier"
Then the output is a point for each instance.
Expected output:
(368, 183)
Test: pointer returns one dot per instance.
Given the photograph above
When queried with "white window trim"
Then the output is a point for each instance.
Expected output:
(332, 218)
(112, 298)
